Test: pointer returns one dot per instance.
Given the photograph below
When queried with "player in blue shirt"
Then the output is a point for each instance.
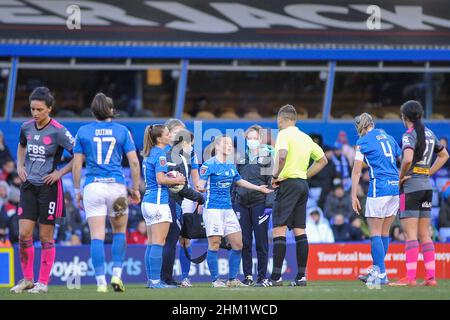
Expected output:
(380, 152)
(176, 126)
(102, 144)
(218, 174)
(155, 205)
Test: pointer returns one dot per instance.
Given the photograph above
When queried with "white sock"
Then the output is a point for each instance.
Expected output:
(101, 280)
(117, 272)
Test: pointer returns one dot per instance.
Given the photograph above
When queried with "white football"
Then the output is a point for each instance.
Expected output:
(174, 188)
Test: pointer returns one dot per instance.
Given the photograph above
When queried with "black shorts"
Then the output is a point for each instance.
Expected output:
(416, 204)
(289, 208)
(42, 203)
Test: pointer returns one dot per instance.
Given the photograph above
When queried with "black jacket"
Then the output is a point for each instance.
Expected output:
(175, 163)
(257, 172)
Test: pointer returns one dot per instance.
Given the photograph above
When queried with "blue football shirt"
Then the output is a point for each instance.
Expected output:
(380, 152)
(220, 177)
(103, 144)
(154, 163)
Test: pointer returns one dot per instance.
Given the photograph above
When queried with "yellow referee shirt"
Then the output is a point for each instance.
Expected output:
(301, 148)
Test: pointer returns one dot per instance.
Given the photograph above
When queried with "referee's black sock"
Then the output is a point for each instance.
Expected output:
(279, 252)
(302, 249)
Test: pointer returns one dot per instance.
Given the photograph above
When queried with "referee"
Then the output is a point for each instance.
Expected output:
(293, 152)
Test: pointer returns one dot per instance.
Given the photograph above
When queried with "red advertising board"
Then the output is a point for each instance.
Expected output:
(347, 261)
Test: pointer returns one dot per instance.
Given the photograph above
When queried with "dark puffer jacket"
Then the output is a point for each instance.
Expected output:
(258, 172)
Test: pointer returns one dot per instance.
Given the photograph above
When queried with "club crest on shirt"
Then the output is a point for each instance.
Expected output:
(405, 140)
(162, 161)
(71, 138)
(203, 170)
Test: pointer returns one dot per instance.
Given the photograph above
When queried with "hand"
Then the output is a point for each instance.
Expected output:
(136, 196)
(264, 189)
(22, 173)
(180, 180)
(356, 205)
(79, 200)
(201, 190)
(405, 178)
(52, 177)
(276, 182)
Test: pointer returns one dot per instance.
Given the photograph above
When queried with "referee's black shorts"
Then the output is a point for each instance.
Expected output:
(43, 204)
(289, 208)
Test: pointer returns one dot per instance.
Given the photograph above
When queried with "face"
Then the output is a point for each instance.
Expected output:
(3, 192)
(339, 192)
(9, 167)
(281, 123)
(174, 131)
(142, 228)
(75, 241)
(315, 217)
(337, 152)
(187, 147)
(329, 154)
(17, 181)
(339, 219)
(253, 135)
(39, 110)
(356, 223)
(404, 120)
(165, 137)
(225, 146)
(253, 139)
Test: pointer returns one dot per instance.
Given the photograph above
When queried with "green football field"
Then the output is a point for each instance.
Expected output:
(348, 290)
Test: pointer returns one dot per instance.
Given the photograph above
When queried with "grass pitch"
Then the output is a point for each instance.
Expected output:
(320, 290)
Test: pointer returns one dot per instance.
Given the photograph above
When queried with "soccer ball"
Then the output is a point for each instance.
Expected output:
(174, 188)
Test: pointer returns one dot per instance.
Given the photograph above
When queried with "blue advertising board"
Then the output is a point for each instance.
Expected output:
(73, 263)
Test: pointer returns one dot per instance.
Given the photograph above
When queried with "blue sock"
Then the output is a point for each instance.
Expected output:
(156, 262)
(185, 262)
(118, 249)
(385, 244)
(213, 264)
(148, 269)
(234, 263)
(377, 250)
(98, 256)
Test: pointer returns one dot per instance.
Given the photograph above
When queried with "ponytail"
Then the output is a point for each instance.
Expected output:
(413, 111)
(151, 134)
(420, 144)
